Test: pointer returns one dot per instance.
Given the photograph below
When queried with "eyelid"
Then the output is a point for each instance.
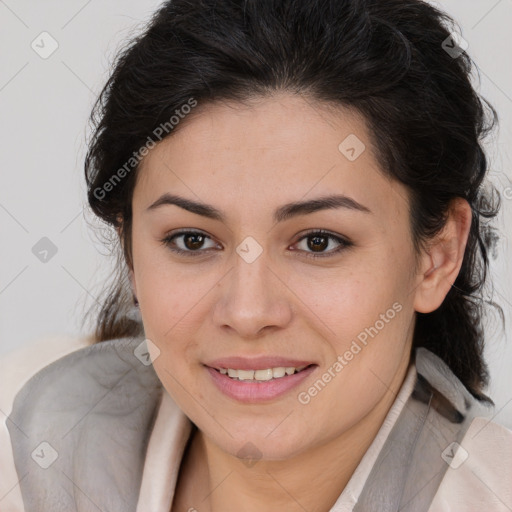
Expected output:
(344, 242)
(175, 234)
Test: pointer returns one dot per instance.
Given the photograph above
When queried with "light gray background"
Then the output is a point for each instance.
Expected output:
(45, 105)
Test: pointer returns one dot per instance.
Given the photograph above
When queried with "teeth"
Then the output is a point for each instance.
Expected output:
(279, 372)
(245, 374)
(260, 375)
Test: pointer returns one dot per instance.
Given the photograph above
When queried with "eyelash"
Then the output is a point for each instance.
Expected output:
(344, 244)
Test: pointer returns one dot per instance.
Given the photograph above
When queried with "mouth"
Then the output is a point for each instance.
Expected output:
(258, 385)
(263, 375)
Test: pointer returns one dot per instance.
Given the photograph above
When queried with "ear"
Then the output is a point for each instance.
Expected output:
(440, 263)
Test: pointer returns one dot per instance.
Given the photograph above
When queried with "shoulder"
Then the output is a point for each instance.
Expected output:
(73, 414)
(17, 368)
(479, 474)
(476, 452)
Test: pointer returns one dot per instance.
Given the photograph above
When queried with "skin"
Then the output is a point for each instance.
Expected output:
(247, 160)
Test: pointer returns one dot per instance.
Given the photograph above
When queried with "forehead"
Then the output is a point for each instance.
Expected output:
(271, 151)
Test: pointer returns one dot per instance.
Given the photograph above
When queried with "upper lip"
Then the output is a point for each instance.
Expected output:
(256, 363)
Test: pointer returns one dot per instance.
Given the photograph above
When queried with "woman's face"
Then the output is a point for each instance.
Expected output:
(248, 287)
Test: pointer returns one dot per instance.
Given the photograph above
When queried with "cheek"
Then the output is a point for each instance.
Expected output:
(171, 308)
(166, 291)
(346, 301)
(176, 364)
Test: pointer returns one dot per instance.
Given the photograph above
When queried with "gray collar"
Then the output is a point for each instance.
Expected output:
(423, 442)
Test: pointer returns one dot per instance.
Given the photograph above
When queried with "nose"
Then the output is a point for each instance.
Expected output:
(253, 299)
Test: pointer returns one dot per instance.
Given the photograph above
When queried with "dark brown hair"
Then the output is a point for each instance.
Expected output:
(393, 61)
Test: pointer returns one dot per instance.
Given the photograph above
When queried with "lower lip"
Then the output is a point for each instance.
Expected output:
(255, 392)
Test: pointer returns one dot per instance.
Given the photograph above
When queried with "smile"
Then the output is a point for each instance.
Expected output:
(257, 386)
(260, 375)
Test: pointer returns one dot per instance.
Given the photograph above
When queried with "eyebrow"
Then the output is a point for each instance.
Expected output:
(282, 213)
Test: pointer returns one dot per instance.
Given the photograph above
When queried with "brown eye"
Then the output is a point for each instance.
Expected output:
(191, 242)
(318, 241)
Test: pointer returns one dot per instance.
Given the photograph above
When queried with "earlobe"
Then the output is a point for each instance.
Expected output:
(442, 261)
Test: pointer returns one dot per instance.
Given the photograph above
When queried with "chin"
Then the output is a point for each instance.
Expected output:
(255, 446)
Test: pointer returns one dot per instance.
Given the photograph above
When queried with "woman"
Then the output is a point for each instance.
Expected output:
(296, 189)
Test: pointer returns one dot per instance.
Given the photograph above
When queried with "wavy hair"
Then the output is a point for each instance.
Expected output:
(387, 59)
